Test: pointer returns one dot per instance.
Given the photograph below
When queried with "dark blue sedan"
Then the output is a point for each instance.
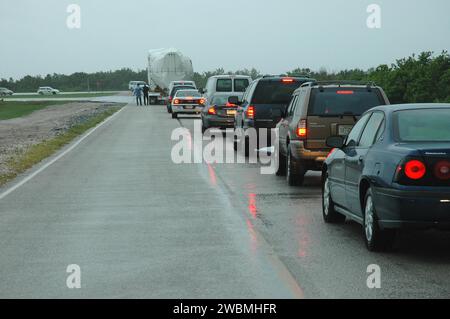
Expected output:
(392, 171)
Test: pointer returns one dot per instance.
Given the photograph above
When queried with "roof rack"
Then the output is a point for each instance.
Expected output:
(339, 83)
(285, 76)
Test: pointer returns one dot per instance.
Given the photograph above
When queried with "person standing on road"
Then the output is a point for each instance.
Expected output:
(146, 90)
(138, 94)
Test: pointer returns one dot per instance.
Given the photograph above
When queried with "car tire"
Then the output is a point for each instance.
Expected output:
(375, 238)
(330, 215)
(281, 164)
(174, 115)
(295, 174)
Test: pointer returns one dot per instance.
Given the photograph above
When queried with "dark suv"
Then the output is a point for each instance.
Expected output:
(316, 111)
(263, 104)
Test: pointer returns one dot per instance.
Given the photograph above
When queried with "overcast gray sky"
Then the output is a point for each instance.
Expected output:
(272, 36)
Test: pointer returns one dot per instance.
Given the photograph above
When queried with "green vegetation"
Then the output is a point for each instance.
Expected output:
(60, 96)
(421, 78)
(10, 109)
(39, 152)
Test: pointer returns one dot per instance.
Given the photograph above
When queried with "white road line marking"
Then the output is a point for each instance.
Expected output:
(46, 165)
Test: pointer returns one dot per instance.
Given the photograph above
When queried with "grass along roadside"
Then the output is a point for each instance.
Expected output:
(10, 109)
(60, 96)
(36, 153)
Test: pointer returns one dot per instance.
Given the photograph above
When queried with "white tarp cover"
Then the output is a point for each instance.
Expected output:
(167, 65)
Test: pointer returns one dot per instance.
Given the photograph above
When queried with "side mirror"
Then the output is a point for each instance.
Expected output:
(233, 100)
(335, 141)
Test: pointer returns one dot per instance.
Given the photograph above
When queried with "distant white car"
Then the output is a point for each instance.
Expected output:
(5, 91)
(180, 83)
(47, 90)
(133, 84)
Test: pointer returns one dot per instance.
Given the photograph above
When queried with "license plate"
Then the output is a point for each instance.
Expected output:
(189, 107)
(231, 112)
(344, 129)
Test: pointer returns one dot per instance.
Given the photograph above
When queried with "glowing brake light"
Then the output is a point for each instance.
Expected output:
(287, 80)
(415, 169)
(251, 112)
(302, 131)
(345, 92)
(176, 101)
(212, 111)
(202, 101)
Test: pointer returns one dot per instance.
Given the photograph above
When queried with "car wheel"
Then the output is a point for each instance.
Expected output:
(281, 164)
(294, 172)
(330, 215)
(174, 115)
(375, 238)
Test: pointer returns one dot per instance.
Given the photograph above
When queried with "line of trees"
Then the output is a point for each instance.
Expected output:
(418, 78)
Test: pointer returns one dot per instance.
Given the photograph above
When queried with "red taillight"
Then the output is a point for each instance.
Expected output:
(176, 101)
(415, 169)
(302, 131)
(212, 111)
(345, 92)
(442, 170)
(251, 112)
(287, 80)
(202, 101)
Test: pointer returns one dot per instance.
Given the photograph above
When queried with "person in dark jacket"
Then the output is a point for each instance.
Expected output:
(146, 90)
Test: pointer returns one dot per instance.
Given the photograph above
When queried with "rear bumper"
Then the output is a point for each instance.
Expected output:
(312, 159)
(187, 109)
(218, 122)
(411, 208)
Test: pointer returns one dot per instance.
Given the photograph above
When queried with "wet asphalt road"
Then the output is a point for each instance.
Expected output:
(140, 226)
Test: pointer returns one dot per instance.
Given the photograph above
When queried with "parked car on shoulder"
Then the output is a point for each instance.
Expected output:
(47, 90)
(392, 171)
(5, 91)
(316, 111)
(187, 102)
(220, 111)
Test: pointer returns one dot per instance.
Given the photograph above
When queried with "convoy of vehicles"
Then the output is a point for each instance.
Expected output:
(384, 166)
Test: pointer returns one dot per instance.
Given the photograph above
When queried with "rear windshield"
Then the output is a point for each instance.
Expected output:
(177, 88)
(424, 125)
(341, 101)
(274, 92)
(224, 85)
(240, 85)
(219, 100)
(188, 93)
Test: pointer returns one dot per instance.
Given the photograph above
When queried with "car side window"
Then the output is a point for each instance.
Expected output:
(371, 129)
(300, 101)
(291, 107)
(353, 137)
